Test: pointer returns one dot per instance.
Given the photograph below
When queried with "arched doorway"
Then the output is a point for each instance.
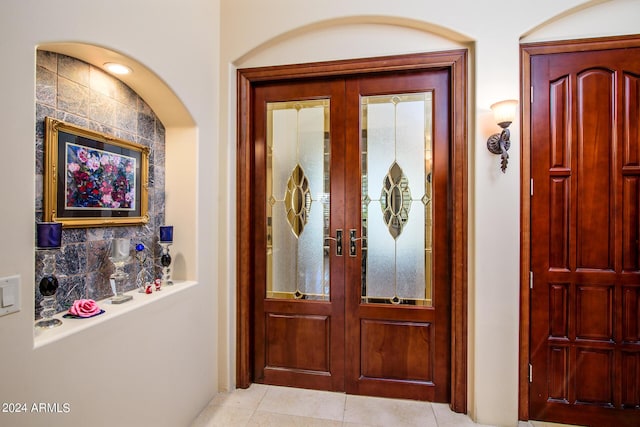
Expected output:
(453, 64)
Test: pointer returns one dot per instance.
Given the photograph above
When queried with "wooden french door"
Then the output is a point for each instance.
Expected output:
(351, 226)
(398, 283)
(297, 211)
(585, 228)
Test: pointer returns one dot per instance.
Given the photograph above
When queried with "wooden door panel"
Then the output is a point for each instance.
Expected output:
(594, 312)
(631, 314)
(631, 119)
(594, 100)
(630, 223)
(631, 379)
(397, 350)
(559, 373)
(559, 215)
(594, 376)
(289, 336)
(559, 135)
(584, 346)
(559, 310)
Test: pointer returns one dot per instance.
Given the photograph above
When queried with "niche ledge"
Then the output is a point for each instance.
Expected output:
(69, 327)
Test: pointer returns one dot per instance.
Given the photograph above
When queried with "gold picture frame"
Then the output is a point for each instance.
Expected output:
(93, 179)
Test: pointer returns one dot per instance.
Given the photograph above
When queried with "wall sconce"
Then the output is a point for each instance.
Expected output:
(504, 112)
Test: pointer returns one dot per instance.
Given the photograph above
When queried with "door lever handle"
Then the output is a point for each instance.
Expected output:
(338, 240)
(352, 241)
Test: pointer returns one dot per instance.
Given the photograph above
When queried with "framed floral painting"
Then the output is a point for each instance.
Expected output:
(93, 179)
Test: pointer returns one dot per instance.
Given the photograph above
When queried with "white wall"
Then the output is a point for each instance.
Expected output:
(157, 365)
(258, 33)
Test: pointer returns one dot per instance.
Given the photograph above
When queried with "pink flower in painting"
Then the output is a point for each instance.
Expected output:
(106, 188)
(93, 163)
(97, 179)
(83, 155)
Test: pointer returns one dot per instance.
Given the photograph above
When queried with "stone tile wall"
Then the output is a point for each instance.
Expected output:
(79, 93)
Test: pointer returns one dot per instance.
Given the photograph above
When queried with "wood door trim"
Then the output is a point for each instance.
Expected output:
(456, 62)
(527, 50)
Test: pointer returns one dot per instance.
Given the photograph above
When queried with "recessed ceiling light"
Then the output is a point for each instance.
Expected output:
(116, 68)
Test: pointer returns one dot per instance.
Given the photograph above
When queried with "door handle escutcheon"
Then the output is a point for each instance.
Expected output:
(352, 241)
(338, 240)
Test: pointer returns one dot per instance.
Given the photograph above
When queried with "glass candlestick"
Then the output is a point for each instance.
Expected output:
(143, 276)
(165, 261)
(48, 288)
(117, 280)
(119, 257)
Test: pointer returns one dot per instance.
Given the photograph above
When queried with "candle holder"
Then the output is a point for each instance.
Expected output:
(119, 257)
(165, 261)
(49, 237)
(166, 239)
(48, 287)
(143, 275)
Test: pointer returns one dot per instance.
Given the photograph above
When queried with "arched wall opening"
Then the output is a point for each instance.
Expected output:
(366, 36)
(180, 146)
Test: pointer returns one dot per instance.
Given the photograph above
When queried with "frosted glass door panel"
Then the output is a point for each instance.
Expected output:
(396, 198)
(297, 199)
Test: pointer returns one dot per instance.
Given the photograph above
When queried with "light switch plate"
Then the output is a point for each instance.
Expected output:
(9, 294)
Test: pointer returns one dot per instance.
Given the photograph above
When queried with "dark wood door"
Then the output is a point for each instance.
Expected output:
(398, 335)
(585, 228)
(357, 188)
(297, 209)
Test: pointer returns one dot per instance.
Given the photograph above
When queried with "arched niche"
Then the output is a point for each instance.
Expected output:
(180, 145)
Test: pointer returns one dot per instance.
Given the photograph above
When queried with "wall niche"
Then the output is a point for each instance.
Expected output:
(79, 93)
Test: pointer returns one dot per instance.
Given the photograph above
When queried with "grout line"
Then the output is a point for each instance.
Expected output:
(344, 409)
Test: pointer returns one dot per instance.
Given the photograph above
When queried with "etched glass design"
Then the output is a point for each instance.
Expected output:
(396, 160)
(297, 199)
(395, 200)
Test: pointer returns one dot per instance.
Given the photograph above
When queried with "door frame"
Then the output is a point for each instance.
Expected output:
(527, 50)
(456, 62)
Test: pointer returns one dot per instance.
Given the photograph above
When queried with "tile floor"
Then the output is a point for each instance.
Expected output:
(267, 406)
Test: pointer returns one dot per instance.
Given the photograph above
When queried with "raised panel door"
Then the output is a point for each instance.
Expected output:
(584, 251)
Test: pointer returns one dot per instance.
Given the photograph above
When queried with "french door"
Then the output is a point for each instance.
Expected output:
(351, 225)
(299, 235)
(348, 257)
(585, 216)
(398, 274)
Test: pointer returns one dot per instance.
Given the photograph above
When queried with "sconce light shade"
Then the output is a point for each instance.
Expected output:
(504, 112)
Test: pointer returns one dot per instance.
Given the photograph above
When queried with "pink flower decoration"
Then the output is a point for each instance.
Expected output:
(84, 308)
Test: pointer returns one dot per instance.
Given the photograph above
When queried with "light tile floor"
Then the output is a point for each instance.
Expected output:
(267, 406)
